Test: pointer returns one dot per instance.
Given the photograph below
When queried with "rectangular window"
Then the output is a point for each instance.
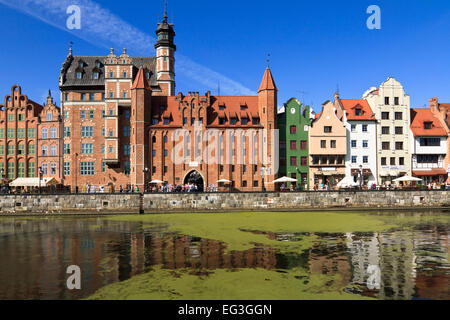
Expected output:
(2, 150)
(401, 161)
(49, 116)
(91, 114)
(353, 127)
(385, 115)
(365, 143)
(87, 168)
(304, 145)
(127, 114)
(31, 133)
(66, 148)
(353, 143)
(103, 167)
(31, 170)
(399, 146)
(294, 161)
(244, 121)
(385, 145)
(364, 128)
(103, 132)
(293, 144)
(11, 149)
(83, 96)
(384, 130)
(52, 168)
(386, 100)
(67, 168)
(124, 94)
(21, 149)
(66, 96)
(154, 121)
(365, 159)
(91, 95)
(66, 132)
(357, 112)
(127, 167)
(233, 121)
(11, 133)
(21, 116)
(10, 117)
(127, 149)
(430, 142)
(398, 130)
(111, 94)
(31, 149)
(11, 170)
(383, 161)
(87, 148)
(255, 121)
(53, 133)
(323, 144)
(327, 129)
(293, 129)
(44, 150)
(83, 114)
(44, 133)
(21, 133)
(166, 121)
(2, 133)
(354, 158)
(87, 131)
(333, 144)
(111, 74)
(396, 101)
(398, 116)
(392, 161)
(126, 131)
(304, 161)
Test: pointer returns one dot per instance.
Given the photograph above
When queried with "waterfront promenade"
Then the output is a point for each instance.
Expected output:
(105, 203)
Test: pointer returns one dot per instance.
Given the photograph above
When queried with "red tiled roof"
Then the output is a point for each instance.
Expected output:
(267, 82)
(419, 117)
(141, 81)
(350, 106)
(317, 115)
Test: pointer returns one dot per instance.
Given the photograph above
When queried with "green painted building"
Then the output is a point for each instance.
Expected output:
(294, 123)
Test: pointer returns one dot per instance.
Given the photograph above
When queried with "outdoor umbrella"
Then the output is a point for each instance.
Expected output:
(407, 178)
(347, 182)
(223, 181)
(284, 179)
(156, 181)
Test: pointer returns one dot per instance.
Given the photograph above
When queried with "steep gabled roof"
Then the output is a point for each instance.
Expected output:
(141, 81)
(350, 106)
(418, 119)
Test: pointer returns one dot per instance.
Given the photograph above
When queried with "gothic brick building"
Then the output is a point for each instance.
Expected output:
(124, 125)
(29, 137)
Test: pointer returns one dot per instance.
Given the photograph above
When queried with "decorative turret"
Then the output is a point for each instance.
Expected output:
(165, 56)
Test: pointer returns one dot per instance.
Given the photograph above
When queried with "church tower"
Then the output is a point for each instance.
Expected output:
(165, 56)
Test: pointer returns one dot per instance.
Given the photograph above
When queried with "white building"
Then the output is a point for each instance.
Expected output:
(429, 146)
(392, 110)
(361, 125)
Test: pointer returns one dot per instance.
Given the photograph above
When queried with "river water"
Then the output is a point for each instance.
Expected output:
(402, 263)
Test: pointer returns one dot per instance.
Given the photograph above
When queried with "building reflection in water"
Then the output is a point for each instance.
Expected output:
(35, 254)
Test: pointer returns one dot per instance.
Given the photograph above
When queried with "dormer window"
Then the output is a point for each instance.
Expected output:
(147, 74)
(427, 125)
(79, 75)
(97, 64)
(358, 112)
(81, 65)
(155, 121)
(95, 76)
(124, 61)
(222, 107)
(111, 61)
(233, 120)
(166, 121)
(243, 107)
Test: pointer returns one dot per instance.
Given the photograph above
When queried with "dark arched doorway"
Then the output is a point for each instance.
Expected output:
(195, 178)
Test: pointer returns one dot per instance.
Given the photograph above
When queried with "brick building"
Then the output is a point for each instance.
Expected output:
(124, 125)
(29, 137)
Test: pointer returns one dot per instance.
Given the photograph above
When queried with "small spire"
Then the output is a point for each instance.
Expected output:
(124, 51)
(49, 93)
(268, 60)
(70, 48)
(111, 51)
(165, 12)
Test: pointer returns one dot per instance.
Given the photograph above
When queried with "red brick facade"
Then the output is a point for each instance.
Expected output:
(123, 125)
(29, 137)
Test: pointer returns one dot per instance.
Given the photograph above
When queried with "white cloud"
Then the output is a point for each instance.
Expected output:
(102, 28)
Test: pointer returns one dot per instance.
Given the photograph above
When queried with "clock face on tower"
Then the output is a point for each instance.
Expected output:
(293, 110)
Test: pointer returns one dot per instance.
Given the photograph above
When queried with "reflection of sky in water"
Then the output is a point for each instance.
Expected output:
(403, 264)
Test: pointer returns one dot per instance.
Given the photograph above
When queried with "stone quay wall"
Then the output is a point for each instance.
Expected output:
(214, 202)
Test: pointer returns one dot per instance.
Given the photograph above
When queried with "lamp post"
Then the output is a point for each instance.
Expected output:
(145, 179)
(263, 169)
(360, 177)
(40, 178)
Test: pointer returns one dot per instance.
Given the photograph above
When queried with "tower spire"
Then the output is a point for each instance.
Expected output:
(165, 11)
(268, 60)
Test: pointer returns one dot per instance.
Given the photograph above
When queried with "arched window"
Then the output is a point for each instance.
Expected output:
(154, 139)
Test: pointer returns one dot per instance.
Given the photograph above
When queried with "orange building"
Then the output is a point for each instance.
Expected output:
(442, 112)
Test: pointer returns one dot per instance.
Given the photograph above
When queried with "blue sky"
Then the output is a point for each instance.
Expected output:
(314, 45)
